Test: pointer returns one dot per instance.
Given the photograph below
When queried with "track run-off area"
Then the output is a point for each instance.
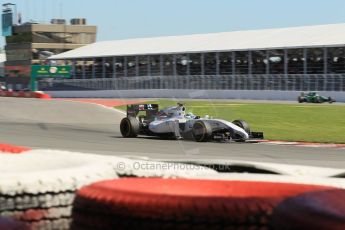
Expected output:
(91, 128)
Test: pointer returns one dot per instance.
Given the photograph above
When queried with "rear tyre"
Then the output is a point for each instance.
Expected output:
(202, 131)
(244, 125)
(300, 99)
(330, 100)
(129, 127)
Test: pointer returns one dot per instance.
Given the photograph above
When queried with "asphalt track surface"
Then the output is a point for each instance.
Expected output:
(75, 126)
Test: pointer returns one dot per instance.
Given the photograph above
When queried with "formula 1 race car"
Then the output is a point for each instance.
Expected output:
(173, 122)
(313, 97)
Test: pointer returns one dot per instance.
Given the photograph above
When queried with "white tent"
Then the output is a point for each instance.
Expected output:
(307, 36)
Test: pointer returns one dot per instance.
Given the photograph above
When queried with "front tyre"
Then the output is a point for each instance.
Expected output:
(242, 124)
(245, 126)
(129, 127)
(202, 131)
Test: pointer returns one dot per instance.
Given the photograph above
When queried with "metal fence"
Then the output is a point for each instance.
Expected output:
(215, 82)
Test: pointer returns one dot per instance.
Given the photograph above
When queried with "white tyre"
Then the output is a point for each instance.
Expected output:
(39, 187)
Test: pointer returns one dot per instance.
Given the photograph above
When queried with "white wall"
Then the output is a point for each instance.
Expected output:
(2, 64)
(202, 94)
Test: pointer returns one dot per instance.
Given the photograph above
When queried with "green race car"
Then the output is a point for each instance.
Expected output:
(313, 97)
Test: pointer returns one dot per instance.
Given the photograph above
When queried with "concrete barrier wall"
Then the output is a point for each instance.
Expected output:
(195, 94)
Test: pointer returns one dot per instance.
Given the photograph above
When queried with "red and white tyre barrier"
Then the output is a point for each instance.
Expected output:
(37, 94)
(38, 188)
(180, 204)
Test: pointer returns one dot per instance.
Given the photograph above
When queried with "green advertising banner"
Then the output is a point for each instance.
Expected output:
(43, 71)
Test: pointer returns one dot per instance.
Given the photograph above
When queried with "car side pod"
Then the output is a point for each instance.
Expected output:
(176, 204)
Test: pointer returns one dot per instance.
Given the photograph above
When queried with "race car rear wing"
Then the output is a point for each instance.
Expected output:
(150, 109)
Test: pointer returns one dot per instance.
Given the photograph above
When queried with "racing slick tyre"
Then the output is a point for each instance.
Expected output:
(312, 210)
(331, 100)
(300, 99)
(202, 131)
(129, 127)
(244, 125)
(176, 204)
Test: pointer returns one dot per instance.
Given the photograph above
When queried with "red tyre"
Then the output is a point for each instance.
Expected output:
(180, 204)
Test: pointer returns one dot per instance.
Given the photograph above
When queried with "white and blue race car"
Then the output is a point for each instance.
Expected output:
(174, 122)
